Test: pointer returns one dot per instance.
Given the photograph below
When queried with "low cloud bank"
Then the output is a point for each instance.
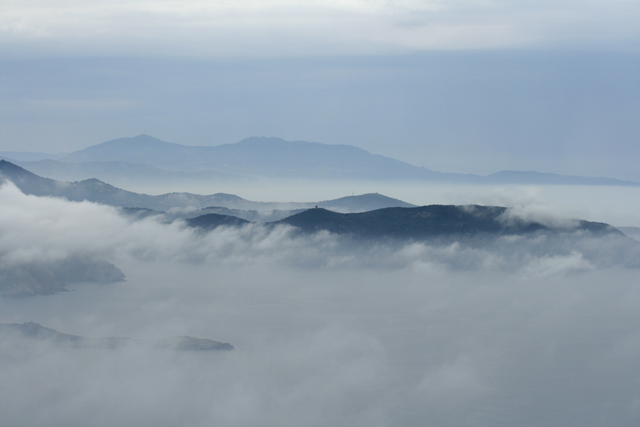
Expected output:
(350, 346)
(514, 331)
(46, 231)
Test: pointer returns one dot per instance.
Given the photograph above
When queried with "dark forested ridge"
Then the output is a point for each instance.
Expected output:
(427, 222)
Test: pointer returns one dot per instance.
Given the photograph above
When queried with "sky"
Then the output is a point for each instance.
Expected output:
(457, 86)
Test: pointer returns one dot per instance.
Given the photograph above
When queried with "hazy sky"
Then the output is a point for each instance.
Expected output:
(463, 86)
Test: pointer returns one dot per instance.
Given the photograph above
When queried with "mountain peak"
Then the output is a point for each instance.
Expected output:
(15, 173)
(366, 202)
(138, 149)
(273, 157)
(142, 139)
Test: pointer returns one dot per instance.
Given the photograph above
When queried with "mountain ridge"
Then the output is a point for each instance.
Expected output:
(431, 221)
(97, 191)
(271, 157)
(253, 157)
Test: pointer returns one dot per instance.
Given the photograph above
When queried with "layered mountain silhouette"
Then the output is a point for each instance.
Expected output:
(366, 218)
(35, 332)
(145, 158)
(378, 215)
(256, 156)
(97, 191)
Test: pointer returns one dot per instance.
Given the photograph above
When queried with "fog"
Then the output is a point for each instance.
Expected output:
(272, 28)
(326, 332)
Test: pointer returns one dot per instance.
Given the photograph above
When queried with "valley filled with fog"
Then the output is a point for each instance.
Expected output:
(529, 331)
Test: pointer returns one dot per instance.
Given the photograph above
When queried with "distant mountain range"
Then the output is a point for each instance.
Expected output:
(36, 332)
(147, 159)
(369, 218)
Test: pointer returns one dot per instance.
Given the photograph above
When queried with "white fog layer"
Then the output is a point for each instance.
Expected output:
(526, 332)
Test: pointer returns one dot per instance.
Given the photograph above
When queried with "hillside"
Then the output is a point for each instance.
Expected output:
(95, 190)
(427, 222)
(212, 220)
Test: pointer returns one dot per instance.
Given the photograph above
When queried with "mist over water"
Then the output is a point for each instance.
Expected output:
(325, 332)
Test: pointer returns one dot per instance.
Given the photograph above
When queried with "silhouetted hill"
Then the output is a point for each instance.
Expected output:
(95, 190)
(267, 215)
(91, 189)
(425, 222)
(212, 220)
(27, 182)
(142, 149)
(362, 203)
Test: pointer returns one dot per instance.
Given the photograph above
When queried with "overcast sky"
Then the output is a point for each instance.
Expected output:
(461, 86)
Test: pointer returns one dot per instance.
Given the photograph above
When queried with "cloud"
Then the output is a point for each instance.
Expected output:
(335, 346)
(38, 229)
(515, 332)
(259, 28)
